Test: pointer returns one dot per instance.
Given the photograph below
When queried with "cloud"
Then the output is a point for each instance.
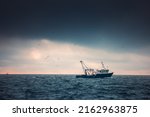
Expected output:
(52, 57)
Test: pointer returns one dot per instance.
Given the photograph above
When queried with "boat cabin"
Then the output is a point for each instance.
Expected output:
(103, 71)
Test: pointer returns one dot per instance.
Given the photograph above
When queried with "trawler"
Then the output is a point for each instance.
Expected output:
(91, 73)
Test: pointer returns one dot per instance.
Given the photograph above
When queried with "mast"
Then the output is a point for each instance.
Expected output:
(103, 66)
(87, 70)
(84, 67)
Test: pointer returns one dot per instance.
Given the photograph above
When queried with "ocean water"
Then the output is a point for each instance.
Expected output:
(67, 87)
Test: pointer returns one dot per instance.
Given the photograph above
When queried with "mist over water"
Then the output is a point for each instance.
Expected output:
(64, 87)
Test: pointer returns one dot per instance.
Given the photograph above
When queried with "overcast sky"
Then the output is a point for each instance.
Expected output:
(52, 36)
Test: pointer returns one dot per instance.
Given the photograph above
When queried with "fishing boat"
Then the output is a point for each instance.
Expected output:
(91, 73)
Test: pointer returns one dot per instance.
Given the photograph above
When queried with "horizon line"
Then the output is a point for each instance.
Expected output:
(64, 74)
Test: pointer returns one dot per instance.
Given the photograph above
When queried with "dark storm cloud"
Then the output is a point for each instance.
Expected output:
(123, 24)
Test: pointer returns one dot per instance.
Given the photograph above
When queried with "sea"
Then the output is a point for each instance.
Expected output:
(68, 87)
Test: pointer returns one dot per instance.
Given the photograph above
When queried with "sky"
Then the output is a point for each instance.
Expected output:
(52, 36)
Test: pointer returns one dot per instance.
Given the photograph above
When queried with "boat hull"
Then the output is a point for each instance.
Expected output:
(95, 76)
